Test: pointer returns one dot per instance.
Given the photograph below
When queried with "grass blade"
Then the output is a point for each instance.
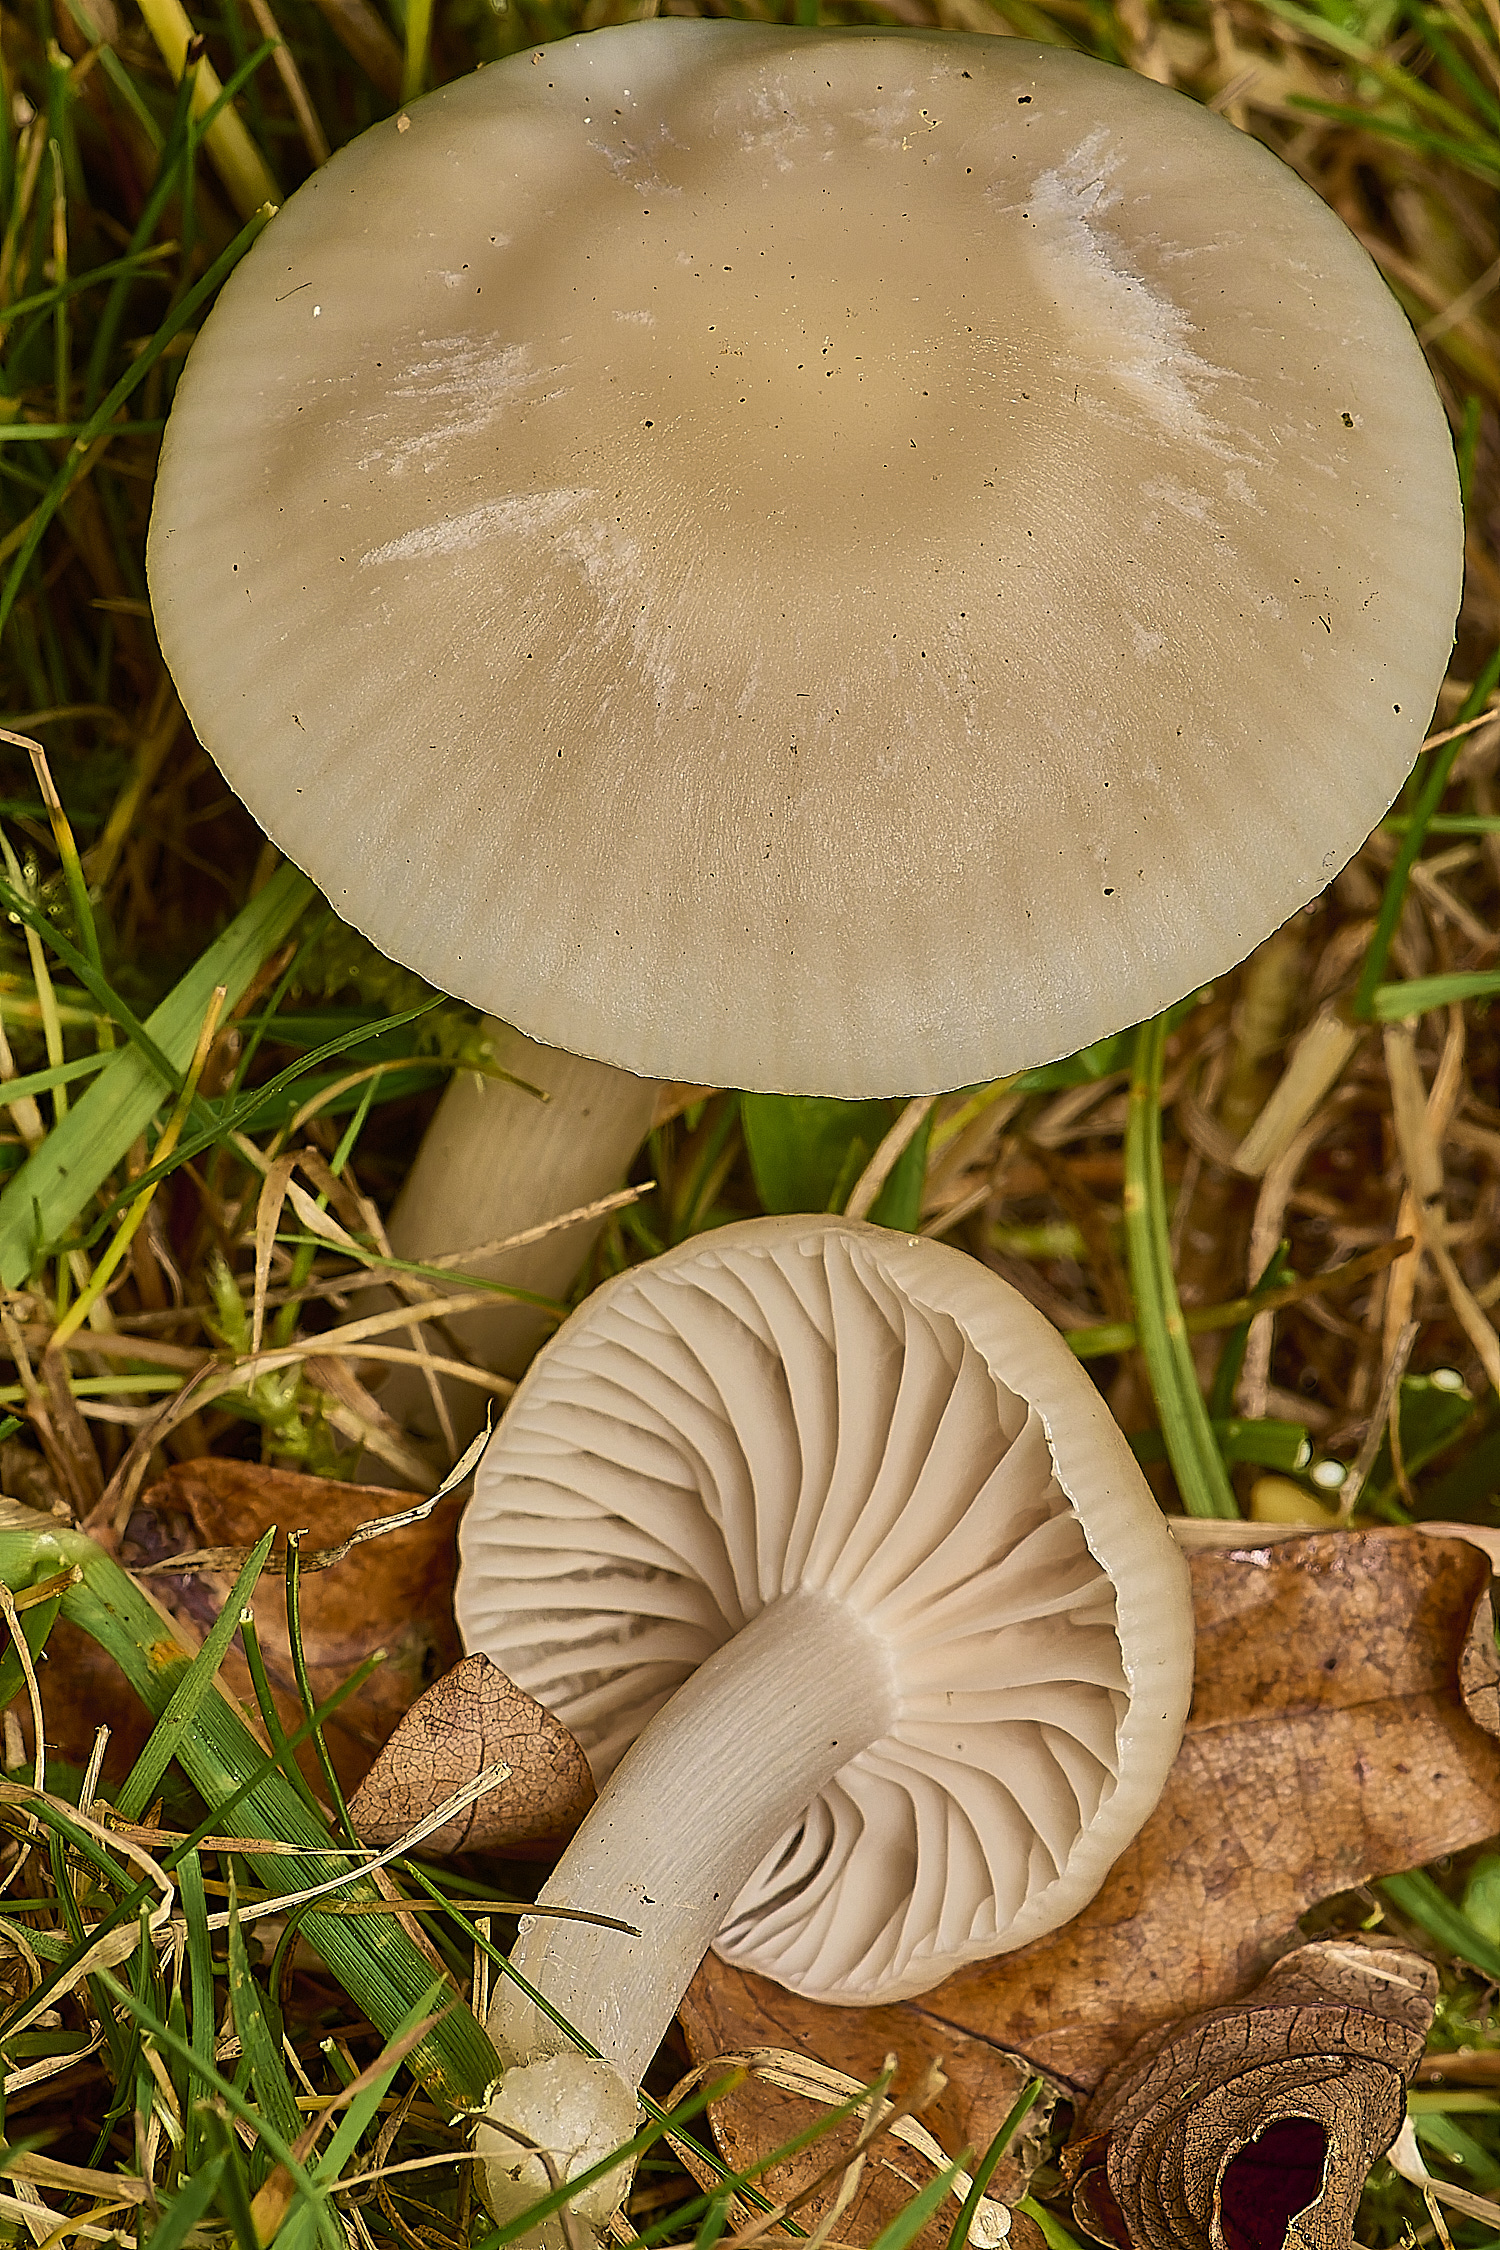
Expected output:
(375, 1960)
(96, 430)
(1429, 796)
(304, 1684)
(912, 2217)
(167, 1735)
(57, 1182)
(984, 2170)
(200, 1961)
(1186, 1430)
(233, 1115)
(361, 2111)
(235, 2187)
(1393, 1001)
(1053, 2232)
(187, 2209)
(259, 2041)
(1418, 1896)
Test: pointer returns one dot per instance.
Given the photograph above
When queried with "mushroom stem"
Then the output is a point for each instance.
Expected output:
(721, 1771)
(495, 1161)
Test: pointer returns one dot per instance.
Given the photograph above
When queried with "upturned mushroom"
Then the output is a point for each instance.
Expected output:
(664, 526)
(826, 1549)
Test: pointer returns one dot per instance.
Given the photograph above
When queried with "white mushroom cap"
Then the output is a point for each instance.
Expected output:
(870, 1468)
(832, 561)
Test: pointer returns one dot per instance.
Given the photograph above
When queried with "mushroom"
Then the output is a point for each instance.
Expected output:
(665, 526)
(826, 1549)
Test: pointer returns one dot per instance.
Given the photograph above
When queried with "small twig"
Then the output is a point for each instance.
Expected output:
(324, 1558)
(881, 1165)
(1107, 1336)
(106, 1523)
(600, 1208)
(347, 2180)
(19, 1643)
(309, 125)
(1385, 1412)
(1482, 718)
(490, 1777)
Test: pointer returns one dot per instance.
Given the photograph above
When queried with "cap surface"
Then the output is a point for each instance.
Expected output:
(839, 562)
(806, 1403)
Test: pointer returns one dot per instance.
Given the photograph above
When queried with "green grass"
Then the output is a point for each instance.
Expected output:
(126, 197)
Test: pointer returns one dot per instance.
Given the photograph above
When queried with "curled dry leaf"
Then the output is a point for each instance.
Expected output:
(1479, 1667)
(467, 1720)
(1256, 2124)
(1329, 1742)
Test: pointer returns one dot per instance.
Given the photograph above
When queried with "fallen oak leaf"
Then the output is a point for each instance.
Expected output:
(732, 2009)
(1256, 2124)
(393, 1591)
(467, 1720)
(378, 1526)
(1328, 1743)
(849, 2179)
(390, 1591)
(1479, 1664)
(879, 2115)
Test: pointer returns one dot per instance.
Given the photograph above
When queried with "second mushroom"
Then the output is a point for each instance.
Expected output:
(839, 561)
(840, 1516)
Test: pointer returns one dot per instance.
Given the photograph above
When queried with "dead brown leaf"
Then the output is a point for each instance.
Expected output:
(759, 2116)
(724, 2005)
(1256, 2125)
(392, 1592)
(467, 1720)
(1479, 1666)
(1328, 1743)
